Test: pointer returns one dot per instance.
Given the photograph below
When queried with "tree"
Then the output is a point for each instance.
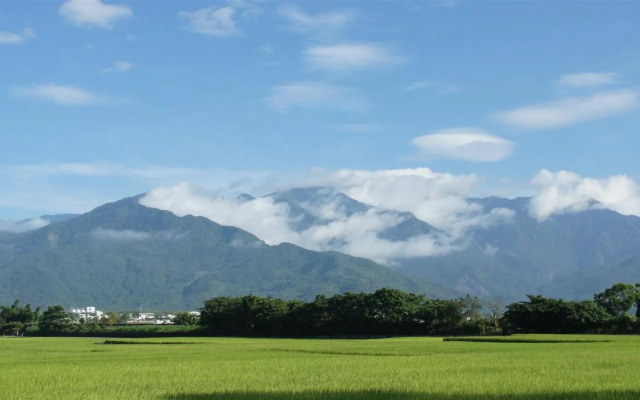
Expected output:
(55, 319)
(221, 316)
(14, 318)
(124, 317)
(110, 318)
(390, 311)
(618, 299)
(186, 318)
(438, 316)
(496, 309)
(544, 315)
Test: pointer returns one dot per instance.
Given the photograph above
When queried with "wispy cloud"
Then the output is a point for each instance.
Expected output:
(58, 94)
(441, 88)
(78, 187)
(565, 192)
(118, 68)
(22, 226)
(321, 24)
(586, 80)
(315, 95)
(468, 144)
(570, 111)
(93, 13)
(211, 21)
(106, 170)
(17, 38)
(349, 57)
(128, 235)
(151, 175)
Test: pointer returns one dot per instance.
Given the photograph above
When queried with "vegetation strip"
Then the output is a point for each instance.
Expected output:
(340, 353)
(146, 342)
(520, 340)
(386, 312)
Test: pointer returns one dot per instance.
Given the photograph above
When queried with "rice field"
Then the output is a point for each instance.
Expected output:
(527, 367)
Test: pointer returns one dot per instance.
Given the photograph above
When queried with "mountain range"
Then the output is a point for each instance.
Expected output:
(127, 255)
(124, 255)
(571, 255)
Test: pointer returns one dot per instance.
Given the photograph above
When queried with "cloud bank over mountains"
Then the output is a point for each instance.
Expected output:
(23, 226)
(387, 197)
(366, 212)
(564, 192)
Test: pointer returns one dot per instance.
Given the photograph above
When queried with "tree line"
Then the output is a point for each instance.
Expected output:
(608, 312)
(391, 312)
(386, 312)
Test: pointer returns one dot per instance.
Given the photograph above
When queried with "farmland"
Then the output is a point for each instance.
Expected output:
(534, 367)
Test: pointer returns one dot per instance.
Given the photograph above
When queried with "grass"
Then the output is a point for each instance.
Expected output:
(270, 369)
(526, 339)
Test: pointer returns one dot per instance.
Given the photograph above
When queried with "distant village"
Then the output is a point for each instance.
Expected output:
(93, 315)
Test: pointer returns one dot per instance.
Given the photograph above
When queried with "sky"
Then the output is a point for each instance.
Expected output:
(400, 104)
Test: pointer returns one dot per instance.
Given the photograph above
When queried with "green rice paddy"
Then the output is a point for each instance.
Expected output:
(527, 367)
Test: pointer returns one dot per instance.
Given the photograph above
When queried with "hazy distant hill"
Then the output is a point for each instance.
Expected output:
(124, 255)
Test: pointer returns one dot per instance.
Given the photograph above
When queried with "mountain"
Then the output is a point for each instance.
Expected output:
(571, 255)
(124, 255)
(314, 206)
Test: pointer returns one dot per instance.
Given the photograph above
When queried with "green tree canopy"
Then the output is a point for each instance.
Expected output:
(618, 299)
(55, 319)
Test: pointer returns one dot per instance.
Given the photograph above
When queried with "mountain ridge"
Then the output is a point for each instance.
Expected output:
(126, 255)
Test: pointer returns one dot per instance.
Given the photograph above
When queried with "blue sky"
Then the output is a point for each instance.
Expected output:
(101, 100)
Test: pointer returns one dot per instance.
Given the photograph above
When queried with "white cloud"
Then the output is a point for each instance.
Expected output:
(319, 24)
(315, 95)
(119, 68)
(129, 235)
(93, 13)
(566, 192)
(586, 80)
(570, 111)
(17, 38)
(436, 198)
(59, 94)
(124, 235)
(464, 144)
(22, 226)
(349, 57)
(262, 217)
(211, 21)
(272, 222)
